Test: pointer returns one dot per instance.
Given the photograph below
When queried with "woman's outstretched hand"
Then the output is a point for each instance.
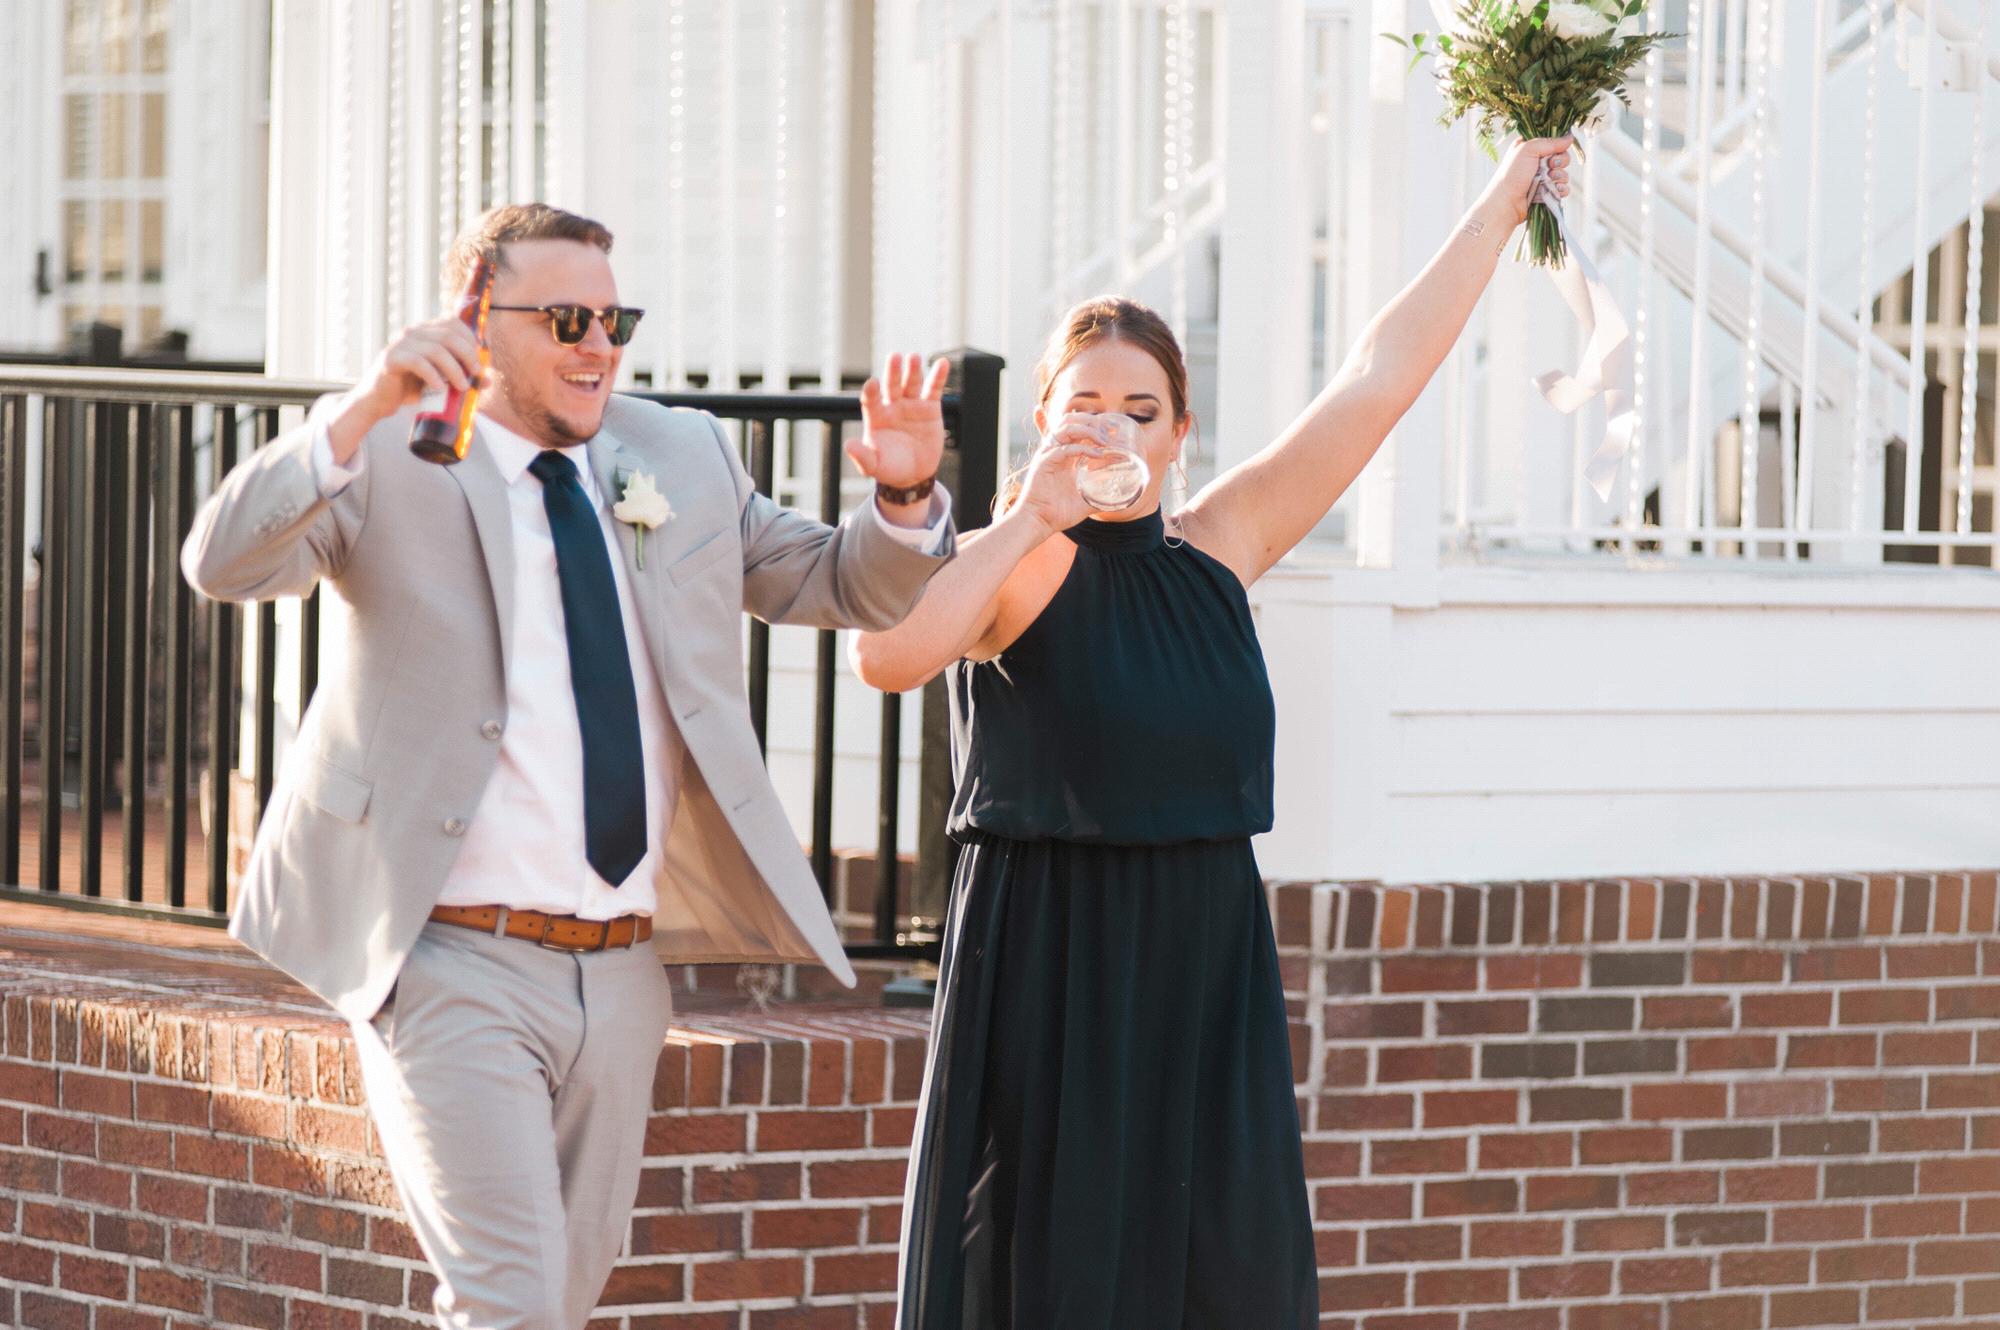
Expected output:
(1511, 189)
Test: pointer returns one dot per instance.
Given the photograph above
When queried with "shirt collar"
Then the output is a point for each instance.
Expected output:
(512, 453)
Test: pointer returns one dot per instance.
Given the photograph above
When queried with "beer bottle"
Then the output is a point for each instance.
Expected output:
(443, 435)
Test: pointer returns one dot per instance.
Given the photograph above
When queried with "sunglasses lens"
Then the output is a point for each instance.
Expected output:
(620, 324)
(569, 323)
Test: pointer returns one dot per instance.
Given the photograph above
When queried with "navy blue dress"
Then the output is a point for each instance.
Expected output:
(1108, 1138)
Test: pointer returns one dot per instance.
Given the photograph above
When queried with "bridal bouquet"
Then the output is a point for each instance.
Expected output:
(1538, 69)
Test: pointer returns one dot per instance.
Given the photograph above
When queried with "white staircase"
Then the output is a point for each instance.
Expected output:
(1764, 254)
(1884, 241)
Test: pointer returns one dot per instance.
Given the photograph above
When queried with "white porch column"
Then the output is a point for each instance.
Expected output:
(1265, 295)
(1021, 205)
(907, 193)
(1402, 211)
(301, 38)
(569, 48)
(328, 305)
(415, 130)
(325, 282)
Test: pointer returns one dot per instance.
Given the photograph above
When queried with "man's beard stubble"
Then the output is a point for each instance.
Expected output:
(551, 429)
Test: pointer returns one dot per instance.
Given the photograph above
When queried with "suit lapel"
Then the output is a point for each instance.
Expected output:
(613, 462)
(486, 494)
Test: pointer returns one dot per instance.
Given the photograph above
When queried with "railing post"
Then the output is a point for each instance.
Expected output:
(51, 720)
(826, 662)
(222, 651)
(94, 448)
(971, 471)
(972, 442)
(13, 632)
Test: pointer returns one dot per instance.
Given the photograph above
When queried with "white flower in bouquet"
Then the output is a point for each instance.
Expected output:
(1603, 115)
(1574, 21)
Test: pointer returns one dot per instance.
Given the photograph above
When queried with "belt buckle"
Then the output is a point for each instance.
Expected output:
(574, 948)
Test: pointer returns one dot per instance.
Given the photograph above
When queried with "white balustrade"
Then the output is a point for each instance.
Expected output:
(1264, 175)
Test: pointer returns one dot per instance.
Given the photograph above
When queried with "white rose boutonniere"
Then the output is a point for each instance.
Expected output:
(642, 507)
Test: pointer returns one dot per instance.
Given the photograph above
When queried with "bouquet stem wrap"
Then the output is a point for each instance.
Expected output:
(1607, 354)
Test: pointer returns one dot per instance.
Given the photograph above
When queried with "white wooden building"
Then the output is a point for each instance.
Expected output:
(1774, 658)
(136, 172)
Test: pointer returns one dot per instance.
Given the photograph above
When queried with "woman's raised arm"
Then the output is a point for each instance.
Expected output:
(1253, 514)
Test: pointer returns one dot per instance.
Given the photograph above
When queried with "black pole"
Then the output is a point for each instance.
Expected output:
(825, 661)
(222, 688)
(762, 454)
(13, 632)
(972, 464)
(138, 644)
(973, 452)
(53, 721)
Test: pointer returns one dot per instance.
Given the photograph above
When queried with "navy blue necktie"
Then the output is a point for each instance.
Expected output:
(600, 674)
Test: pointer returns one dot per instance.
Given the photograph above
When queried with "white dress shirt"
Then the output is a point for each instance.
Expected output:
(524, 848)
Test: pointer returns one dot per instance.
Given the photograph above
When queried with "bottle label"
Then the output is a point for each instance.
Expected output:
(430, 404)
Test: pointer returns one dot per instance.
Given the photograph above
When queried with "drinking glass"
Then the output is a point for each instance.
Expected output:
(1112, 482)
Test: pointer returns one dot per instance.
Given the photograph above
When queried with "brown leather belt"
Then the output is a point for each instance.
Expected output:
(559, 932)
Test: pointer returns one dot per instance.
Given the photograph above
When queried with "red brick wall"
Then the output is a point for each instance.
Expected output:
(1635, 1105)
(1652, 1105)
(161, 1166)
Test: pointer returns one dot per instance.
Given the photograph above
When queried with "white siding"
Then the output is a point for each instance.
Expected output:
(1470, 740)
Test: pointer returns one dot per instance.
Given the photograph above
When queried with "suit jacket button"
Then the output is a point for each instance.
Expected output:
(454, 826)
(491, 729)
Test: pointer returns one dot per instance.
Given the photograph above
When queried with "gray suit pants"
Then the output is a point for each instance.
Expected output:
(511, 1086)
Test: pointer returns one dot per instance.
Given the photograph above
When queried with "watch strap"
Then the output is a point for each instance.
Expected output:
(904, 494)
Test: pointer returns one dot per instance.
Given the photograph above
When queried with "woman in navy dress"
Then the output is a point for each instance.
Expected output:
(1108, 1137)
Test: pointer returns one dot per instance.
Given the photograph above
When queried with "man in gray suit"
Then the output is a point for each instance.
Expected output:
(540, 758)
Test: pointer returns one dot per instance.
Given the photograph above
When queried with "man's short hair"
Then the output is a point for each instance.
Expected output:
(496, 227)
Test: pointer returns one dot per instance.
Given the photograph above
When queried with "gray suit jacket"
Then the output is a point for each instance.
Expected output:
(394, 753)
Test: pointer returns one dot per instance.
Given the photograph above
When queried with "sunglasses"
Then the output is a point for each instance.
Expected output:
(569, 324)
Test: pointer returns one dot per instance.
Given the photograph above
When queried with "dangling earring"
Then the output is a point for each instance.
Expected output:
(1177, 484)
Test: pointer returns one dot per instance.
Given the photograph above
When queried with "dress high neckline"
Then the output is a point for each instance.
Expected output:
(1140, 535)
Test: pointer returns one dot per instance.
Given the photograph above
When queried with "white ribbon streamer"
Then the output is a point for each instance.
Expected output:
(1607, 351)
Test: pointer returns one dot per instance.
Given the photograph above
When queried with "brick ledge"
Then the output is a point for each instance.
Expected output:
(1373, 917)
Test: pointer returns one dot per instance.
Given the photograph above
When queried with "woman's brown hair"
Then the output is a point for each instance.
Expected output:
(1103, 319)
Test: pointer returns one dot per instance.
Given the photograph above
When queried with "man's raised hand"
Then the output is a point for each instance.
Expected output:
(902, 422)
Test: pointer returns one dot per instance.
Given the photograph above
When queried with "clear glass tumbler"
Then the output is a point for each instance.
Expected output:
(1114, 481)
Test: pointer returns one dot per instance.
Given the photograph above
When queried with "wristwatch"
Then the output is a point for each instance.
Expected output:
(892, 494)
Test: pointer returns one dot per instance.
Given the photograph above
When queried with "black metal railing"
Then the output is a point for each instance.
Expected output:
(121, 698)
